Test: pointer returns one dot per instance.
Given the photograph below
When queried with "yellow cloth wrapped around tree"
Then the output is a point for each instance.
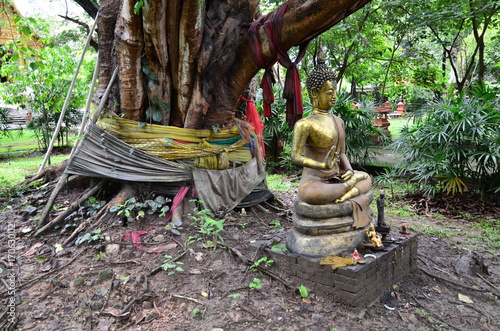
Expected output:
(215, 148)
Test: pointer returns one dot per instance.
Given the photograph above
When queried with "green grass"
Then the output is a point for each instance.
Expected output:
(13, 171)
(488, 238)
(397, 124)
(20, 140)
(280, 183)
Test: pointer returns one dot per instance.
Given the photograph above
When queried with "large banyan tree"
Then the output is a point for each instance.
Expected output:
(191, 60)
(186, 64)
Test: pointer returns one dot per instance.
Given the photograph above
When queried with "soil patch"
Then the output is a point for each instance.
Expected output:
(206, 287)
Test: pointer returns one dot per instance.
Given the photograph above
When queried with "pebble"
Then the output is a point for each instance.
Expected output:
(159, 238)
(112, 249)
(96, 305)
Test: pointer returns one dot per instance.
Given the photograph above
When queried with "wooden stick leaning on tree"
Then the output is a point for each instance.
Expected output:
(64, 176)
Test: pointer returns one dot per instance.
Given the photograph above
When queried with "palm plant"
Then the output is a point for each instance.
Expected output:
(455, 146)
(358, 127)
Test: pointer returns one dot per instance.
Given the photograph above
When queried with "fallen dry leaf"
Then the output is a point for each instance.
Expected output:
(198, 256)
(234, 316)
(115, 312)
(30, 252)
(139, 316)
(161, 249)
(464, 298)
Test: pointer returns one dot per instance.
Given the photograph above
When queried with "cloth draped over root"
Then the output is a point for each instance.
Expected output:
(223, 167)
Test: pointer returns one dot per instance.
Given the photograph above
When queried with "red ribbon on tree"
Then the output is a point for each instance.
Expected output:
(292, 92)
(253, 118)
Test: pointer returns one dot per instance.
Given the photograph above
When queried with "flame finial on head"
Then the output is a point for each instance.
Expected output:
(319, 75)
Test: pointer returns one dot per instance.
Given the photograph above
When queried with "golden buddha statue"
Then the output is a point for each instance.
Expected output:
(331, 211)
(319, 147)
(373, 237)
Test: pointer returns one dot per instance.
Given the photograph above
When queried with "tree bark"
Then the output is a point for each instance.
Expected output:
(108, 13)
(130, 47)
(157, 55)
(303, 21)
(198, 53)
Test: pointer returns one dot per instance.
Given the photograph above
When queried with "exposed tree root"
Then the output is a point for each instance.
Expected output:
(79, 229)
(49, 174)
(449, 281)
(52, 199)
(430, 311)
(128, 191)
(103, 215)
(74, 206)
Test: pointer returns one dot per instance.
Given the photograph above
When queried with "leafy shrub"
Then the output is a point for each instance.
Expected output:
(132, 209)
(38, 79)
(455, 146)
(359, 128)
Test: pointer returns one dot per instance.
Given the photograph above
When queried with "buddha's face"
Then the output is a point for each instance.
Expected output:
(326, 96)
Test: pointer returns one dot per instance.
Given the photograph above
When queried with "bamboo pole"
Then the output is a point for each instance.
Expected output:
(89, 97)
(66, 102)
(65, 175)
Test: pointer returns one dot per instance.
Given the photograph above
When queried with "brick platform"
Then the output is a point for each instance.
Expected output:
(358, 285)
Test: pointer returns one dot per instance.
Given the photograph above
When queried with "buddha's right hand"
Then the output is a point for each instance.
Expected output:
(347, 175)
(358, 176)
(330, 158)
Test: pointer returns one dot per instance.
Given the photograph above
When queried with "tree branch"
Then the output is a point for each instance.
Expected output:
(93, 43)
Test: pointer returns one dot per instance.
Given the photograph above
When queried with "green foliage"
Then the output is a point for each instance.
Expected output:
(359, 127)
(138, 6)
(5, 118)
(235, 297)
(38, 80)
(277, 182)
(94, 235)
(174, 227)
(303, 291)
(189, 241)
(93, 205)
(277, 247)
(196, 312)
(255, 284)
(277, 132)
(209, 227)
(99, 256)
(171, 266)
(263, 262)
(454, 147)
(132, 209)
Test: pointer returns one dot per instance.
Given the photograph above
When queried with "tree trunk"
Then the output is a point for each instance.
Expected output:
(190, 60)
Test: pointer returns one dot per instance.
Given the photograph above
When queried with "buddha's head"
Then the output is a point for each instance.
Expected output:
(321, 86)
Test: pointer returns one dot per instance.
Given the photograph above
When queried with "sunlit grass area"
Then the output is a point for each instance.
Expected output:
(398, 123)
(14, 170)
(18, 140)
(278, 182)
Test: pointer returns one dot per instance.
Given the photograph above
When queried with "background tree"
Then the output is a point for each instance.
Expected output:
(38, 79)
(450, 22)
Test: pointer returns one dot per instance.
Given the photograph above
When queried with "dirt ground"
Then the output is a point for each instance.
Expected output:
(49, 287)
